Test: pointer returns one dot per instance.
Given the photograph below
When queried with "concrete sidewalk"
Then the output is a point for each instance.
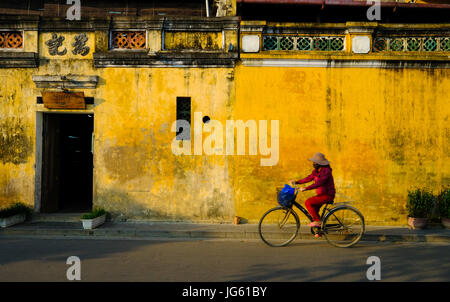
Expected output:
(152, 230)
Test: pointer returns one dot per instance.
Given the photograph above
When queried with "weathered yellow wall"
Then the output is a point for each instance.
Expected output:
(193, 40)
(384, 131)
(17, 133)
(136, 172)
(18, 108)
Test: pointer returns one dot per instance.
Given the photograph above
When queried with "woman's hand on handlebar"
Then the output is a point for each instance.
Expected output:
(294, 184)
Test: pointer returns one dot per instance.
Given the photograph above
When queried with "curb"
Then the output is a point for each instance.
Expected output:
(186, 234)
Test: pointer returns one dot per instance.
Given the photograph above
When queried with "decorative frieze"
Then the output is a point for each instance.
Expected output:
(54, 44)
(11, 39)
(56, 47)
(128, 40)
(304, 43)
(411, 44)
(79, 46)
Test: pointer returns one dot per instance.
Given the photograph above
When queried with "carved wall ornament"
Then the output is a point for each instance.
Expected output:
(10, 39)
(54, 43)
(79, 46)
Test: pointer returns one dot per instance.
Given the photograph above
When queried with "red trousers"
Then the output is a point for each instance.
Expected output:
(313, 205)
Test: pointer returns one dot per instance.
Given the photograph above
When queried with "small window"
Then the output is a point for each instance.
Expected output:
(183, 113)
(128, 39)
(11, 39)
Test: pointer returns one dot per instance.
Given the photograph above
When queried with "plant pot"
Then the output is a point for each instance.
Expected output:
(237, 219)
(417, 223)
(12, 220)
(445, 222)
(89, 224)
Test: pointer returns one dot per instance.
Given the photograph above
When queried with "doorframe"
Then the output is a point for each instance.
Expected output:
(39, 149)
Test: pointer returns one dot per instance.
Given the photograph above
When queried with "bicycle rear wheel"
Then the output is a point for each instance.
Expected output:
(279, 226)
(343, 226)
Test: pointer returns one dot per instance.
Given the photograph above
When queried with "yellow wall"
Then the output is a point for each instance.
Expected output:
(17, 133)
(384, 130)
(136, 172)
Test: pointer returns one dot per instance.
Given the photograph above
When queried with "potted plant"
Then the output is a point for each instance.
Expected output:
(93, 219)
(419, 204)
(444, 207)
(14, 214)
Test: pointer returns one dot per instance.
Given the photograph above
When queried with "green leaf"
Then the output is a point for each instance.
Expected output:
(420, 203)
(94, 214)
(15, 209)
(444, 203)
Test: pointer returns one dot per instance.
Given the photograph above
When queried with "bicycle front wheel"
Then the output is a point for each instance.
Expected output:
(343, 226)
(279, 226)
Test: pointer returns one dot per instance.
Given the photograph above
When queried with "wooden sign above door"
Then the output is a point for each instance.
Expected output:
(63, 100)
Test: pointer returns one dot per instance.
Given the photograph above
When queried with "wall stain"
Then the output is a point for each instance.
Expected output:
(15, 145)
(8, 194)
(214, 205)
(125, 162)
(329, 117)
(397, 142)
(121, 206)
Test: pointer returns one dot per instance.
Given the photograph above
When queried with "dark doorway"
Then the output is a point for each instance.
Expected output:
(67, 163)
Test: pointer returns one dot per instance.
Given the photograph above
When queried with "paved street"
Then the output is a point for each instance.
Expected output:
(23, 259)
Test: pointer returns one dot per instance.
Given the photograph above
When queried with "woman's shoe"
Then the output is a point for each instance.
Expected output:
(315, 224)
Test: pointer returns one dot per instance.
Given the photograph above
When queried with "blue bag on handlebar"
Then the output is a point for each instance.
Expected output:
(286, 196)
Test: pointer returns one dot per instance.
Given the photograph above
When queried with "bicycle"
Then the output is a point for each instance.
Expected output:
(342, 225)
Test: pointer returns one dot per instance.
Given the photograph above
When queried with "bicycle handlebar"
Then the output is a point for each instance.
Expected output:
(296, 187)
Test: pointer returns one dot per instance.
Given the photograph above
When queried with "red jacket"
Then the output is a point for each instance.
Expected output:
(323, 181)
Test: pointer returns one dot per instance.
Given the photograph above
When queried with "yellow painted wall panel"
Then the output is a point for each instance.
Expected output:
(193, 40)
(66, 48)
(17, 137)
(136, 172)
(384, 131)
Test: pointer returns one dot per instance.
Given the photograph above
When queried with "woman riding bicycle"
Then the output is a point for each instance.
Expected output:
(323, 183)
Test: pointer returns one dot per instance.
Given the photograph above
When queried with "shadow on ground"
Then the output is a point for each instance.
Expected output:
(399, 262)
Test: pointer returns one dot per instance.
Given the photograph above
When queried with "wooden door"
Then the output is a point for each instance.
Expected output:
(51, 163)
